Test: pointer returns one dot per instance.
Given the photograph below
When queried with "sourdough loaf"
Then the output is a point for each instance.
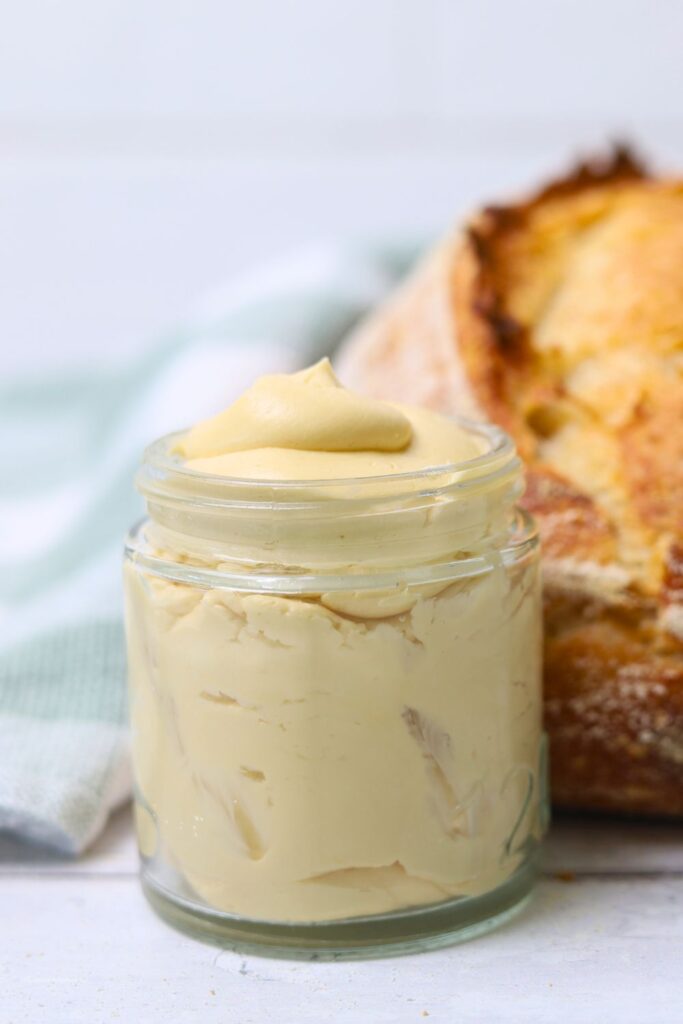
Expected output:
(561, 318)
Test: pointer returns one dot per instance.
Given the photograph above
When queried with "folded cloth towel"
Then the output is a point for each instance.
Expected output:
(70, 449)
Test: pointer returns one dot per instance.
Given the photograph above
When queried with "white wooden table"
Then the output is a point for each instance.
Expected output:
(602, 943)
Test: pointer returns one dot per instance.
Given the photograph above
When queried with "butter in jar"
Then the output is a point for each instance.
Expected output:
(334, 633)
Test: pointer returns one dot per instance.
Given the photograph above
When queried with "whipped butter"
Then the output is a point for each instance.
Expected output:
(306, 426)
(311, 753)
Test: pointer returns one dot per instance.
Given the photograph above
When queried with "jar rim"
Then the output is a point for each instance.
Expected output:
(164, 475)
(522, 540)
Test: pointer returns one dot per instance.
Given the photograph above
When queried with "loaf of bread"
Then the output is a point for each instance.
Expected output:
(561, 319)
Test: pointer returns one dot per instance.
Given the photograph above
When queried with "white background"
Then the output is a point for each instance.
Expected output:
(151, 148)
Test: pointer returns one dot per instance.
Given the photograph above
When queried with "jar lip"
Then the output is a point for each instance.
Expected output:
(522, 540)
(160, 470)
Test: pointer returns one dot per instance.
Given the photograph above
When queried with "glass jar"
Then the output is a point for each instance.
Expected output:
(336, 704)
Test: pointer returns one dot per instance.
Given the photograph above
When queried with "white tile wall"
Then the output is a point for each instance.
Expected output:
(148, 148)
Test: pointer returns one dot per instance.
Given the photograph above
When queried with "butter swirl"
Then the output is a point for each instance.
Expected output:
(306, 426)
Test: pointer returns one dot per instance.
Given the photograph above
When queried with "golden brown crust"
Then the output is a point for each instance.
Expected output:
(572, 526)
(495, 256)
(614, 712)
(570, 323)
(561, 318)
(652, 453)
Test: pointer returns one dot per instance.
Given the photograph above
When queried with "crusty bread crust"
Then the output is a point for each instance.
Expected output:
(561, 318)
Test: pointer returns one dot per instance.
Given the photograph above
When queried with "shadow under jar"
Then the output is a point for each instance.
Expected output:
(336, 704)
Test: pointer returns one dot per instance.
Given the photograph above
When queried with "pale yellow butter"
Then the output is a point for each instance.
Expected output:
(340, 754)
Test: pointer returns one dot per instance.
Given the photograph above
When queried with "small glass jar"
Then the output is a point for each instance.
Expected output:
(336, 704)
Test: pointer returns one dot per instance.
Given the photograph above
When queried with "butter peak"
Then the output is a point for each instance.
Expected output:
(307, 426)
(307, 411)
